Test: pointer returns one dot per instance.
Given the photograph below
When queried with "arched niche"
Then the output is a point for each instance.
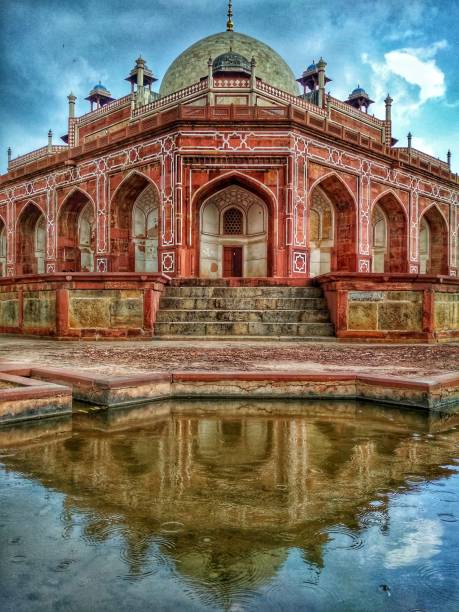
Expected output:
(433, 243)
(76, 234)
(379, 239)
(31, 241)
(332, 227)
(145, 224)
(321, 233)
(389, 232)
(233, 234)
(3, 248)
(134, 226)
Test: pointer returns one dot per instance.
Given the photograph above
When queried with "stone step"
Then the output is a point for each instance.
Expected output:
(209, 328)
(243, 292)
(263, 303)
(262, 316)
(223, 338)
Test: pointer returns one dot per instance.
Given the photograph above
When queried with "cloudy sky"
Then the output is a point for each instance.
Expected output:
(406, 47)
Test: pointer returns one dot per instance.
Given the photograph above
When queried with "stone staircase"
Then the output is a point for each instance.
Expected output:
(214, 310)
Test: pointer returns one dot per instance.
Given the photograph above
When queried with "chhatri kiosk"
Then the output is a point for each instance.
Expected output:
(239, 185)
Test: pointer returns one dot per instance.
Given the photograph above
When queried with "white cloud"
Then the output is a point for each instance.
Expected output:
(422, 543)
(424, 73)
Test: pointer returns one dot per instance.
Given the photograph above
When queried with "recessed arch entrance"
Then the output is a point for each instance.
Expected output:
(3, 248)
(76, 233)
(234, 233)
(31, 240)
(332, 227)
(389, 233)
(135, 222)
(433, 243)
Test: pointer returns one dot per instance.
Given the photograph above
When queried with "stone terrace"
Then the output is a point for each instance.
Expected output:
(112, 358)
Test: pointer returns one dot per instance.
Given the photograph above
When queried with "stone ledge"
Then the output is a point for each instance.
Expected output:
(23, 398)
(437, 393)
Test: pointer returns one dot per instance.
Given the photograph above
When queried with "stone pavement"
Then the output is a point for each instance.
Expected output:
(126, 357)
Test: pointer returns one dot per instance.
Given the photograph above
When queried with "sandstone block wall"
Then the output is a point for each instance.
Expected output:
(385, 310)
(109, 308)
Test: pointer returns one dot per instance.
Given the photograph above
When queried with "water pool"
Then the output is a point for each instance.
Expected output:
(234, 506)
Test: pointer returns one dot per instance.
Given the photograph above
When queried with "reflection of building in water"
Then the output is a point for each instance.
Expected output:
(226, 492)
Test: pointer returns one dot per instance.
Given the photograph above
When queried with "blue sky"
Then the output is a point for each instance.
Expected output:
(409, 48)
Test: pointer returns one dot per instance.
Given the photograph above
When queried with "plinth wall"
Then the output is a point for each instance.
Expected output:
(392, 306)
(80, 305)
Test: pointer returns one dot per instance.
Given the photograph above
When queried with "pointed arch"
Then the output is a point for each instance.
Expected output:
(31, 240)
(232, 190)
(437, 259)
(76, 232)
(134, 230)
(343, 246)
(395, 255)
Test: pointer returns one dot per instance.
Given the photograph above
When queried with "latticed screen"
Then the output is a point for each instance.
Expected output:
(232, 221)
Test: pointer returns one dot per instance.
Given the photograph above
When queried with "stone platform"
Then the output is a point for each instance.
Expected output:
(437, 393)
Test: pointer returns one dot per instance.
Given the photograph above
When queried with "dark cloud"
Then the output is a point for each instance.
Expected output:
(51, 46)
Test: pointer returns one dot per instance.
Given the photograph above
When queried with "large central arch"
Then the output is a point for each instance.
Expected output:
(233, 227)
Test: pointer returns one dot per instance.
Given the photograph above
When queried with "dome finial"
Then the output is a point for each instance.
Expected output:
(229, 23)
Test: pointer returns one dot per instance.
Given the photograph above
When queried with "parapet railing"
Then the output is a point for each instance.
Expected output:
(350, 110)
(21, 160)
(289, 98)
(171, 98)
(416, 153)
(103, 110)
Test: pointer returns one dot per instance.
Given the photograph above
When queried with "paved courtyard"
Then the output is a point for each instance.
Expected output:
(126, 357)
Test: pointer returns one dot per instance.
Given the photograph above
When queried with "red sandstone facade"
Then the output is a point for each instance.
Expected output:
(128, 190)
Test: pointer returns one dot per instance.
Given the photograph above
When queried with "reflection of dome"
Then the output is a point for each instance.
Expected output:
(231, 62)
(191, 65)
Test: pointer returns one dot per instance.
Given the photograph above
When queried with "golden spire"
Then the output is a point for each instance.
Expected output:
(229, 23)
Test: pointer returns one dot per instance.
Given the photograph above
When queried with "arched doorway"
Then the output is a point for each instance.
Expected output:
(31, 241)
(134, 235)
(76, 234)
(3, 248)
(389, 236)
(433, 243)
(233, 233)
(332, 228)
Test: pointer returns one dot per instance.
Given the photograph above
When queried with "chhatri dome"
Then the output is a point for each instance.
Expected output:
(191, 65)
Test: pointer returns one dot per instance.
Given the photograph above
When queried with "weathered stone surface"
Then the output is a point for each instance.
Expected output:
(404, 296)
(39, 309)
(89, 313)
(9, 309)
(399, 316)
(363, 316)
(108, 308)
(447, 311)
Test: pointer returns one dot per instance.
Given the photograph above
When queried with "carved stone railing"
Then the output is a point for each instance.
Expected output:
(289, 98)
(22, 160)
(172, 98)
(228, 83)
(415, 153)
(350, 110)
(103, 110)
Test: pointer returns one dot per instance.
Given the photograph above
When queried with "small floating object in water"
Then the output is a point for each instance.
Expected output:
(385, 588)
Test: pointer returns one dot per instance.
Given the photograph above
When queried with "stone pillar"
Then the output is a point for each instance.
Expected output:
(388, 123)
(210, 82)
(50, 141)
(321, 65)
(253, 82)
